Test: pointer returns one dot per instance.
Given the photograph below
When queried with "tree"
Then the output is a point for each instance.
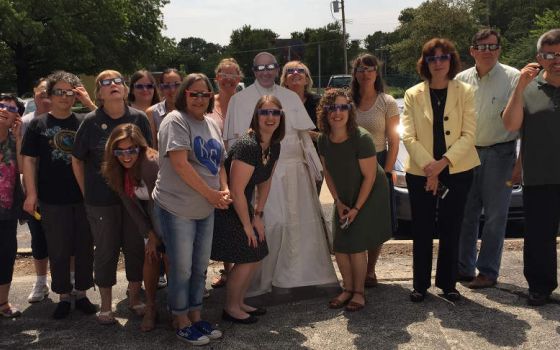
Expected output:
(197, 55)
(79, 36)
(246, 42)
(437, 18)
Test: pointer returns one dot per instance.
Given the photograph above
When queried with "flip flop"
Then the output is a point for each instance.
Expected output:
(106, 318)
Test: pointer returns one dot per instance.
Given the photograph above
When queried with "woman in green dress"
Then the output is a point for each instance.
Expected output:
(362, 217)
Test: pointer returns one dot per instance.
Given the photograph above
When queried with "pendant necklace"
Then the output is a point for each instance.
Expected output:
(439, 100)
(265, 156)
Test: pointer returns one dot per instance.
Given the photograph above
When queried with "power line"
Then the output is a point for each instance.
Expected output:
(287, 46)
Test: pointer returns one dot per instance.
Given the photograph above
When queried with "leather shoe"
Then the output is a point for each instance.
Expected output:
(248, 320)
(481, 281)
(537, 299)
(257, 312)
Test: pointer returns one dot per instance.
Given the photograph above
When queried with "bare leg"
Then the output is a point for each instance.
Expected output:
(358, 263)
(106, 299)
(134, 293)
(237, 280)
(345, 268)
(194, 316)
(245, 307)
(151, 276)
(373, 256)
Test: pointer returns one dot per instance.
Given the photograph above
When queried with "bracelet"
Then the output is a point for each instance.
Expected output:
(357, 209)
(259, 213)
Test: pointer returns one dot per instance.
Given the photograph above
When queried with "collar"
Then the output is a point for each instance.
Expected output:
(490, 73)
(265, 91)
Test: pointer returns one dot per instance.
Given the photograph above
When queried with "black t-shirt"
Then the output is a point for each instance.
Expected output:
(90, 148)
(311, 102)
(439, 97)
(51, 140)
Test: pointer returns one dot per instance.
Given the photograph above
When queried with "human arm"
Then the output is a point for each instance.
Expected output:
(393, 140)
(150, 116)
(368, 168)
(83, 96)
(240, 174)
(78, 170)
(16, 129)
(29, 182)
(513, 114)
(263, 189)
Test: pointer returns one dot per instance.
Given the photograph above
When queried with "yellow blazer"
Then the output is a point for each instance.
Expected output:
(459, 124)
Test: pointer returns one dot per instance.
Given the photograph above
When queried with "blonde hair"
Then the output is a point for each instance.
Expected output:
(104, 75)
(293, 64)
(228, 62)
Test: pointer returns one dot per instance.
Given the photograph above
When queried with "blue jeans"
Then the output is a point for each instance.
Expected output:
(488, 191)
(188, 244)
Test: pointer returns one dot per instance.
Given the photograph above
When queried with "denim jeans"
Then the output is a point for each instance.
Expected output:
(188, 244)
(489, 191)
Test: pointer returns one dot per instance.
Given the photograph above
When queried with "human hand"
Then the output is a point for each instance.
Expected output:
(16, 128)
(251, 237)
(435, 167)
(515, 175)
(150, 248)
(83, 96)
(258, 224)
(528, 73)
(30, 204)
(342, 210)
(432, 184)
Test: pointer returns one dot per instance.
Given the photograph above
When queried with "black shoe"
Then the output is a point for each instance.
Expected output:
(464, 278)
(416, 296)
(452, 295)
(85, 306)
(257, 312)
(248, 320)
(62, 310)
(537, 299)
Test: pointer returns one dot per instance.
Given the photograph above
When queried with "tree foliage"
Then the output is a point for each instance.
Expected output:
(81, 36)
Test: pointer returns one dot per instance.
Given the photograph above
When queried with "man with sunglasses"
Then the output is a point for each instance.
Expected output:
(491, 187)
(534, 110)
(48, 179)
(298, 251)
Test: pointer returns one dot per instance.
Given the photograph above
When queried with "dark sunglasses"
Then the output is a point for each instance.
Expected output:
(263, 67)
(295, 70)
(362, 69)
(200, 94)
(61, 92)
(267, 112)
(486, 47)
(107, 82)
(442, 58)
(144, 86)
(132, 151)
(169, 86)
(12, 109)
(549, 56)
(338, 107)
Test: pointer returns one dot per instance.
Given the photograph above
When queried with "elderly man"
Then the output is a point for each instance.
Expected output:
(298, 251)
(534, 109)
(491, 188)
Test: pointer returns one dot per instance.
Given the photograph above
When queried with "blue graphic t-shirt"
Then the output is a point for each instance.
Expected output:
(50, 141)
(203, 143)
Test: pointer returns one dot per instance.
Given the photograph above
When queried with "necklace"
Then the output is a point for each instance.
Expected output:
(439, 99)
(265, 156)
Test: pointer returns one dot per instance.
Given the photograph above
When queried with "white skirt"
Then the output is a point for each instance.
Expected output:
(298, 249)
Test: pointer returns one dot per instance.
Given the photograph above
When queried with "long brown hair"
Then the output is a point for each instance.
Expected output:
(111, 169)
(280, 131)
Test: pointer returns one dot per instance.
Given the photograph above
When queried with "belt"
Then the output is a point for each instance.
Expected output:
(496, 144)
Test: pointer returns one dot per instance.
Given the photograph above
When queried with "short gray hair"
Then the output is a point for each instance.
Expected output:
(264, 53)
(552, 37)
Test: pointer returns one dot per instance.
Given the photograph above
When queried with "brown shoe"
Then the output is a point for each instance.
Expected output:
(481, 281)
(370, 281)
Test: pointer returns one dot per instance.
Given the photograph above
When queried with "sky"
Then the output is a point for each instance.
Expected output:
(214, 20)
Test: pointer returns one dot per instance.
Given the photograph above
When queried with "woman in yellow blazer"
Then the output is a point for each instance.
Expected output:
(439, 126)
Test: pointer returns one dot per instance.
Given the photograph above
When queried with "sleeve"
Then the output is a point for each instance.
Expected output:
(246, 151)
(276, 151)
(139, 217)
(321, 145)
(31, 140)
(465, 142)
(80, 149)
(418, 154)
(144, 126)
(392, 108)
(366, 147)
(174, 135)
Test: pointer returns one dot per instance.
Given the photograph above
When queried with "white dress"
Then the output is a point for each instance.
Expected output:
(298, 249)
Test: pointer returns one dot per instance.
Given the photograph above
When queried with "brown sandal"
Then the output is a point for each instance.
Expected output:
(219, 281)
(354, 306)
(370, 281)
(336, 303)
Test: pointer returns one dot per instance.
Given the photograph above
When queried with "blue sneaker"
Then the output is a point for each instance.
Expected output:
(206, 329)
(192, 335)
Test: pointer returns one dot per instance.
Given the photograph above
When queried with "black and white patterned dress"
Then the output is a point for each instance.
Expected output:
(230, 241)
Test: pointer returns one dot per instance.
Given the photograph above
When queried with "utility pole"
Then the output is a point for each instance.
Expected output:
(344, 37)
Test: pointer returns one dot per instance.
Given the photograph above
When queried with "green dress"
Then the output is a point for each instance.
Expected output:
(372, 225)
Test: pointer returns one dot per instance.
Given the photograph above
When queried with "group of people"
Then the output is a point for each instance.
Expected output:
(234, 177)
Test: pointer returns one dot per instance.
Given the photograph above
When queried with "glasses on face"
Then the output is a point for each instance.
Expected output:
(486, 47)
(62, 92)
(295, 70)
(338, 107)
(229, 76)
(132, 151)
(199, 94)
(143, 86)
(362, 69)
(441, 58)
(271, 112)
(107, 82)
(549, 56)
(169, 86)
(263, 67)
(12, 109)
